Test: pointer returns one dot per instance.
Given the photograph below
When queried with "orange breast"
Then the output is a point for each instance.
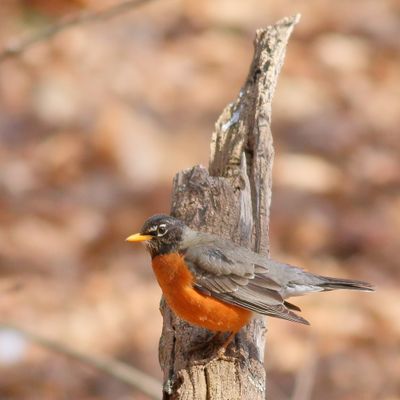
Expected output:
(176, 282)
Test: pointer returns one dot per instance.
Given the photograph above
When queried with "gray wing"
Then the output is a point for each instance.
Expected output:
(237, 276)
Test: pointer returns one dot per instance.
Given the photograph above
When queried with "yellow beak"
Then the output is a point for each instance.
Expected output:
(137, 237)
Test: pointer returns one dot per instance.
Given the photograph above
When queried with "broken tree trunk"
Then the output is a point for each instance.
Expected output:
(231, 199)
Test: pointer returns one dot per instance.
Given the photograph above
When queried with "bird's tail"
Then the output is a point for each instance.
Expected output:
(329, 283)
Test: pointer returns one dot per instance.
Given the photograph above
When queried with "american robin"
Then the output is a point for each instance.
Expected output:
(213, 283)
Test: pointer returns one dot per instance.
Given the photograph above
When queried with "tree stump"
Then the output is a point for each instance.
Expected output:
(231, 199)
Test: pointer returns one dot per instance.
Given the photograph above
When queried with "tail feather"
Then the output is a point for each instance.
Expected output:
(329, 283)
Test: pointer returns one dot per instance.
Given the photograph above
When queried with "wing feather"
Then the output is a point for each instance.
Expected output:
(237, 276)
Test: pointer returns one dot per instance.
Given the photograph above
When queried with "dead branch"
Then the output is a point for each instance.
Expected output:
(17, 46)
(118, 370)
(231, 199)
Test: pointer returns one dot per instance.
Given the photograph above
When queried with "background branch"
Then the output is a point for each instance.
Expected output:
(118, 370)
(18, 46)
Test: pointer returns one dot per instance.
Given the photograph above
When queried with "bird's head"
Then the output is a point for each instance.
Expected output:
(161, 234)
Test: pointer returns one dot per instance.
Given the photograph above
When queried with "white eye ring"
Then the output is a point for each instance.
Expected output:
(161, 230)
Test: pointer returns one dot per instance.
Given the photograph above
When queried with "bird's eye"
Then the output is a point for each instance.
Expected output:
(162, 230)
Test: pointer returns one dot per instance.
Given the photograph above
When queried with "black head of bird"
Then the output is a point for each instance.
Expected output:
(161, 234)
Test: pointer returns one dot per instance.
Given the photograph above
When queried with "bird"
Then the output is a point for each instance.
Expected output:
(213, 283)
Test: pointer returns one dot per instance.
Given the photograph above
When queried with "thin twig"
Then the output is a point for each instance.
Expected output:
(118, 370)
(306, 376)
(16, 47)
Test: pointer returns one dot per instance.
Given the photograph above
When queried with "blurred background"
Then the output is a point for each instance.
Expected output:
(94, 124)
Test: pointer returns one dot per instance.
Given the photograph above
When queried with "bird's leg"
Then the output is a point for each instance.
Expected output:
(222, 349)
(220, 353)
(202, 345)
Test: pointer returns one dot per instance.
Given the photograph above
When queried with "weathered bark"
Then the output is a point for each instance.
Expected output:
(231, 199)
